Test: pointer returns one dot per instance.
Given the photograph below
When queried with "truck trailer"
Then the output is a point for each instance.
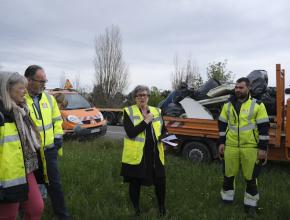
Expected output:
(198, 138)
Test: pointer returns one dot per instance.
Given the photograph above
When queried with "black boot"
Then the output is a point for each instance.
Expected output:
(162, 211)
(137, 211)
(251, 211)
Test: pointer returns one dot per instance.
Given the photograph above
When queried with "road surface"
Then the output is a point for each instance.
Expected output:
(116, 132)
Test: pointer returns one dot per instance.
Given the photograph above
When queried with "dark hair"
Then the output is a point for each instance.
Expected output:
(31, 70)
(244, 79)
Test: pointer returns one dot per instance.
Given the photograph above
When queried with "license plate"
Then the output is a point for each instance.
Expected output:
(95, 130)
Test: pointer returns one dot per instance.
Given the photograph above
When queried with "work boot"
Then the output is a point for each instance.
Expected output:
(251, 211)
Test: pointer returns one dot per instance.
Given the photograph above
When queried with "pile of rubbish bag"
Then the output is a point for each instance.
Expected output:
(212, 95)
(261, 91)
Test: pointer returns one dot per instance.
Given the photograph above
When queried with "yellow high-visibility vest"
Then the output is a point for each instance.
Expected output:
(133, 147)
(12, 167)
(242, 129)
(48, 123)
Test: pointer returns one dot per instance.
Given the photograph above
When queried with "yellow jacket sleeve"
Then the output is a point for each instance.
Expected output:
(56, 120)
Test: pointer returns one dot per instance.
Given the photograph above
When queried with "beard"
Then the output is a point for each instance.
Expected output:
(241, 95)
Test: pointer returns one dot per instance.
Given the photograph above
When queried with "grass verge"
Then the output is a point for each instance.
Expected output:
(94, 188)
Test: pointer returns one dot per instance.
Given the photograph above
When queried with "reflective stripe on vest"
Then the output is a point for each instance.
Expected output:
(139, 139)
(262, 120)
(49, 100)
(250, 125)
(15, 182)
(222, 119)
(59, 118)
(263, 137)
(58, 136)
(131, 115)
(46, 127)
(11, 138)
(222, 133)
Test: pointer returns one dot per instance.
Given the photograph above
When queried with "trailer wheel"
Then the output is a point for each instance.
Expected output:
(110, 117)
(196, 152)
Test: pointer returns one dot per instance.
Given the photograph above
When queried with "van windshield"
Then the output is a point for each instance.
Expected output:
(76, 101)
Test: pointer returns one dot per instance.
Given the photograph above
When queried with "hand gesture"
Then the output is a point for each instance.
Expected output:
(148, 118)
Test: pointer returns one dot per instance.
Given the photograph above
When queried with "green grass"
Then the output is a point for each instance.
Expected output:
(94, 188)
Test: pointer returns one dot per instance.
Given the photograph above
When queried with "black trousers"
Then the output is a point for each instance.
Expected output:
(160, 190)
(54, 188)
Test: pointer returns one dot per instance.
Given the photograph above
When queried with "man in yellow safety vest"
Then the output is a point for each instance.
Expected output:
(243, 130)
(46, 116)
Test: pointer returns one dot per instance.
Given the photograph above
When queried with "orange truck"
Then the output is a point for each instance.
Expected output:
(80, 119)
(198, 138)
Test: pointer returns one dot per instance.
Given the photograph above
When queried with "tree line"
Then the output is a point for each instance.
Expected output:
(112, 73)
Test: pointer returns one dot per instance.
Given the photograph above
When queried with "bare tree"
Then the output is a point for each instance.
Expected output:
(110, 70)
(62, 80)
(188, 74)
(77, 82)
(84, 90)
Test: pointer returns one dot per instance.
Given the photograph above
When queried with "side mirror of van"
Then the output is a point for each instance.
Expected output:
(287, 90)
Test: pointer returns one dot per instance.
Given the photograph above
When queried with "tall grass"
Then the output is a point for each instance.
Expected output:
(94, 188)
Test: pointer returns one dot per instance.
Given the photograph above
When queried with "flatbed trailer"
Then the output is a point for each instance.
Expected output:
(198, 138)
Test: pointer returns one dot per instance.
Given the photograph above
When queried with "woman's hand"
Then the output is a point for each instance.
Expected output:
(148, 118)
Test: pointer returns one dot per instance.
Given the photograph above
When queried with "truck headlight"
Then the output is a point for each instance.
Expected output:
(74, 119)
(101, 116)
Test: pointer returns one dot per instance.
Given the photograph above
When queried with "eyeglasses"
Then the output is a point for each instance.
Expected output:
(39, 81)
(142, 95)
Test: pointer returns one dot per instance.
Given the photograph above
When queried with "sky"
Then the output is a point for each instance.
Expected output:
(60, 36)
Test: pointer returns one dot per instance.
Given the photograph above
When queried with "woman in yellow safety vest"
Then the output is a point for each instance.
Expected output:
(19, 143)
(143, 152)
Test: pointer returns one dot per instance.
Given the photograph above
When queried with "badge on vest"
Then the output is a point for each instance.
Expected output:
(44, 105)
(245, 111)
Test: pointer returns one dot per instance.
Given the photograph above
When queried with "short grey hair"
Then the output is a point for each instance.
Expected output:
(7, 81)
(140, 88)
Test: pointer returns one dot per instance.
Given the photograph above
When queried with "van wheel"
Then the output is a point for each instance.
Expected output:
(196, 152)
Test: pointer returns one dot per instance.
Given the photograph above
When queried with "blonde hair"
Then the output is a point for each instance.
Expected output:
(7, 81)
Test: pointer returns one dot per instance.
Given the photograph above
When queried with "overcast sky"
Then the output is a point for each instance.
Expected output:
(59, 35)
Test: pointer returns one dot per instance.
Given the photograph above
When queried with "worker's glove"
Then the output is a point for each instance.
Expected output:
(58, 143)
